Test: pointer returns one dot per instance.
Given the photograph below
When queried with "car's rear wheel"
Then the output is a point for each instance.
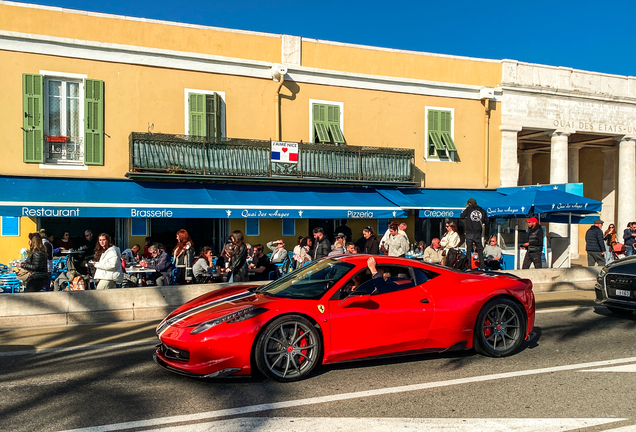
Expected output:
(288, 349)
(500, 328)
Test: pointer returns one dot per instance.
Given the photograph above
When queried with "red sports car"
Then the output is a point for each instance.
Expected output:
(341, 309)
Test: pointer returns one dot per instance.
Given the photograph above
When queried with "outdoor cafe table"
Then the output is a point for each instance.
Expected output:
(138, 270)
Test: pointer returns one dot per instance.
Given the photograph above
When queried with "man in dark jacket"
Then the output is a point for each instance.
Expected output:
(322, 245)
(594, 245)
(629, 237)
(473, 217)
(534, 245)
(161, 263)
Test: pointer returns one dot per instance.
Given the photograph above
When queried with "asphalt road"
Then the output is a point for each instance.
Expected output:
(578, 374)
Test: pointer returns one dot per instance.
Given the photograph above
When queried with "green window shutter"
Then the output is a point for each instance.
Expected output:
(333, 114)
(320, 122)
(333, 120)
(445, 126)
(437, 141)
(213, 107)
(218, 106)
(196, 110)
(32, 101)
(433, 121)
(439, 131)
(336, 133)
(434, 129)
(445, 121)
(93, 122)
(448, 141)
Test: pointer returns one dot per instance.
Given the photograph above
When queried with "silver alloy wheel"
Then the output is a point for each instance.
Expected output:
(290, 349)
(501, 327)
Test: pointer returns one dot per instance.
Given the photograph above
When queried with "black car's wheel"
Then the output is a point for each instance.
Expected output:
(288, 348)
(500, 328)
(620, 311)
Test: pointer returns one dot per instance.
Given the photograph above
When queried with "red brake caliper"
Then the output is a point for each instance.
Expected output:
(303, 343)
(487, 331)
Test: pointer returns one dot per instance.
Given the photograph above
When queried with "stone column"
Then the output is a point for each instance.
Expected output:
(573, 176)
(509, 166)
(608, 214)
(525, 167)
(559, 172)
(626, 182)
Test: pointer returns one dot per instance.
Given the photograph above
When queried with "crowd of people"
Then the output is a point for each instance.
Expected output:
(237, 261)
(603, 247)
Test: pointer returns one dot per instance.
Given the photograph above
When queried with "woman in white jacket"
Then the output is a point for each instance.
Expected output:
(451, 238)
(108, 269)
(397, 242)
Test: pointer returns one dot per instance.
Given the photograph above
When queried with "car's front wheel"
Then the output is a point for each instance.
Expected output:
(288, 348)
(500, 328)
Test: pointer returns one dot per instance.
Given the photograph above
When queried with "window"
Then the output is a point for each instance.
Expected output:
(383, 225)
(289, 227)
(439, 134)
(326, 124)
(63, 119)
(138, 227)
(205, 113)
(10, 226)
(395, 279)
(251, 227)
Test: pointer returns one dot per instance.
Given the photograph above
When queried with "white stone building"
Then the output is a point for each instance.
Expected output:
(563, 125)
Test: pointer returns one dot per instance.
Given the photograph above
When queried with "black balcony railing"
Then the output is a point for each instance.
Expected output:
(166, 155)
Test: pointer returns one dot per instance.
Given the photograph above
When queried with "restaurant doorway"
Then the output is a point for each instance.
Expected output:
(56, 226)
(203, 232)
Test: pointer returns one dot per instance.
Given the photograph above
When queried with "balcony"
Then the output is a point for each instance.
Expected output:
(162, 156)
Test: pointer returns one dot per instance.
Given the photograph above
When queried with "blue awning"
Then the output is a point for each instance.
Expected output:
(46, 197)
(535, 201)
(438, 203)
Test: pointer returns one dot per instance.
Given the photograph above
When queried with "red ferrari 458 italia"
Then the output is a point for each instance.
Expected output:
(341, 309)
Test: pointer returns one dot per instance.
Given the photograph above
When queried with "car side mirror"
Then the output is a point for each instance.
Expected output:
(355, 297)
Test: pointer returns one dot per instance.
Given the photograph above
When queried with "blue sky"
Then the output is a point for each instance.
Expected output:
(589, 35)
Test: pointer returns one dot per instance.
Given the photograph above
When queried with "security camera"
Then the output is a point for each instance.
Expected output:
(278, 71)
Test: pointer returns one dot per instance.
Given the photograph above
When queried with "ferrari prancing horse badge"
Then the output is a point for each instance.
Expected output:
(321, 308)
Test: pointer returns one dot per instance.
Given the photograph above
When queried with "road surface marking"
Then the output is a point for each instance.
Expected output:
(161, 421)
(625, 368)
(328, 424)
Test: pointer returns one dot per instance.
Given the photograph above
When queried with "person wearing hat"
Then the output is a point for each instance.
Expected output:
(534, 245)
(474, 217)
(594, 244)
(338, 245)
(344, 229)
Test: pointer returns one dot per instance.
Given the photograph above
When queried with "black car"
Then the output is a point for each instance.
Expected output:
(616, 286)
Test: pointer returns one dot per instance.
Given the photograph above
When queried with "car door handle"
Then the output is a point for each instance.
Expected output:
(424, 300)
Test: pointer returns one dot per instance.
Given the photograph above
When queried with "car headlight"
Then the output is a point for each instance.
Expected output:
(239, 315)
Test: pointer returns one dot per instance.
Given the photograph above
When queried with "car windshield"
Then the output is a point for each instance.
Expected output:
(308, 282)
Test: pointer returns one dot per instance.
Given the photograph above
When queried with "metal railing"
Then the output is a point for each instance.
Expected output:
(232, 157)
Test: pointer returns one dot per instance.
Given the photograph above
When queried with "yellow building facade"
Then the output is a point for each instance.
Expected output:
(148, 70)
